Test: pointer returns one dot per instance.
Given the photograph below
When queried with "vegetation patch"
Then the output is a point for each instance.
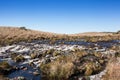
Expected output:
(5, 68)
(77, 64)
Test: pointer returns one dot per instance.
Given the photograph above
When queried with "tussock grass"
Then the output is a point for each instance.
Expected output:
(64, 67)
(60, 69)
(113, 70)
(4, 65)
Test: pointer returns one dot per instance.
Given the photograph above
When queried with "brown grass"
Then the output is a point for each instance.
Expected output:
(9, 35)
(60, 69)
(65, 67)
(93, 34)
(12, 35)
(113, 70)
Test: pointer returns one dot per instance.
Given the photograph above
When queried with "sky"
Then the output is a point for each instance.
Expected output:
(62, 16)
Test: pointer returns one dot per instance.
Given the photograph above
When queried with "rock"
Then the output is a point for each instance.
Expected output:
(36, 73)
(16, 68)
(19, 78)
(27, 57)
(30, 72)
(31, 64)
(23, 68)
(48, 56)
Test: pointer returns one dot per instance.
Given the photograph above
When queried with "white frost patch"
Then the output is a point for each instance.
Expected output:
(27, 57)
(23, 50)
(15, 48)
(3, 49)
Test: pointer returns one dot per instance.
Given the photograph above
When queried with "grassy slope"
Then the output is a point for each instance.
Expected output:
(10, 35)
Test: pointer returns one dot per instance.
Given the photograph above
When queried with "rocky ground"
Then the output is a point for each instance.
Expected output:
(22, 61)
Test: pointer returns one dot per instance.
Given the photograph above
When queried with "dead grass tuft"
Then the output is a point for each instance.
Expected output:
(113, 70)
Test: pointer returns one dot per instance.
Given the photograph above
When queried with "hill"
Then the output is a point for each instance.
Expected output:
(93, 34)
(9, 35)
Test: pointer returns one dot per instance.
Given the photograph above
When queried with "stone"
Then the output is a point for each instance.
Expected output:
(36, 73)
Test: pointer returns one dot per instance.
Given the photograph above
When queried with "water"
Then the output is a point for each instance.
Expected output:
(28, 74)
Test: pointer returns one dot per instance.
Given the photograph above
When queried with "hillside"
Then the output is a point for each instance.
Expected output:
(16, 34)
(9, 35)
(93, 34)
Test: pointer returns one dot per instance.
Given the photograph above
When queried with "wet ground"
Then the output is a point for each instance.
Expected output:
(26, 48)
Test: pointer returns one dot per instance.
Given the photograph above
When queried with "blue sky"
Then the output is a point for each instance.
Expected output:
(62, 16)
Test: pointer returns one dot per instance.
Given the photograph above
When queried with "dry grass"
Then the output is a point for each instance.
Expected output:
(9, 35)
(3, 78)
(12, 35)
(60, 69)
(113, 70)
(65, 67)
(93, 34)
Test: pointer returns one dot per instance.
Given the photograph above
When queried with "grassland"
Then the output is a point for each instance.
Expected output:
(9, 35)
